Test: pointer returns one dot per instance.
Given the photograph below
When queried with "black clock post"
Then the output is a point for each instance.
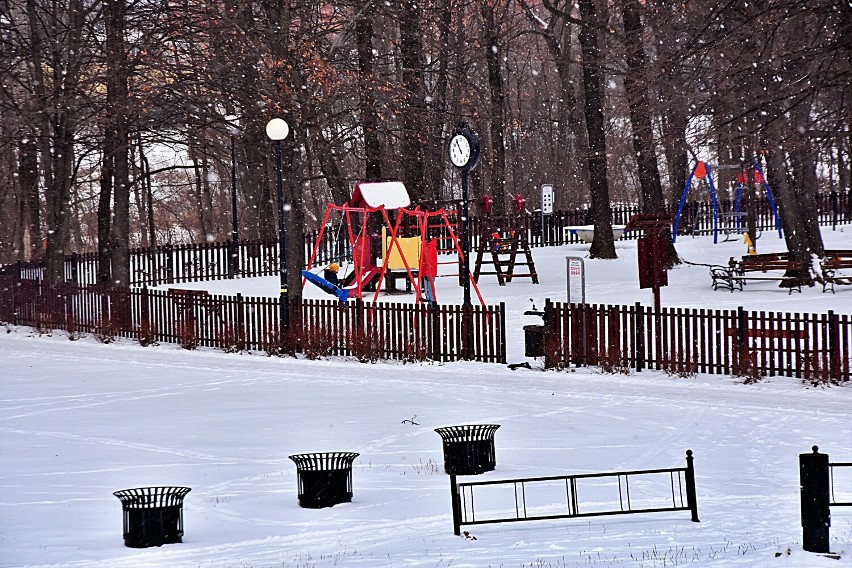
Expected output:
(464, 154)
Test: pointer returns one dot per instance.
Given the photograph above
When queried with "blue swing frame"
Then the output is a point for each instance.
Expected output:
(769, 196)
(712, 199)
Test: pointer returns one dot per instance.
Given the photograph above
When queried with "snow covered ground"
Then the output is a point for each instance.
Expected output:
(79, 420)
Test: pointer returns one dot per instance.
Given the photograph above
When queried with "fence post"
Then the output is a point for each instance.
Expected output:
(454, 497)
(816, 511)
(691, 496)
(435, 324)
(639, 337)
(241, 334)
(741, 351)
(467, 332)
(833, 347)
(144, 315)
(502, 354)
(74, 260)
(170, 264)
(547, 338)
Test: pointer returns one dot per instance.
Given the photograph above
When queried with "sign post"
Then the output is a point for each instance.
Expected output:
(576, 280)
(546, 205)
(652, 252)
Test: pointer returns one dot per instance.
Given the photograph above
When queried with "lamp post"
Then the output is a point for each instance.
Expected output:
(235, 228)
(277, 130)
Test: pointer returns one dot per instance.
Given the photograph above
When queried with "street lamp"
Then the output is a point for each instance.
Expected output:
(231, 119)
(277, 129)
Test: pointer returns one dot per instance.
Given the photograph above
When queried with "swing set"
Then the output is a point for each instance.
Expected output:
(379, 252)
(701, 172)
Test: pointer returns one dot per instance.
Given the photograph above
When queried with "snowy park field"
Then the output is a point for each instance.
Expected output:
(79, 420)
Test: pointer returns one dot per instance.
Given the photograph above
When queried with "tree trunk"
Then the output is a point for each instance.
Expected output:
(414, 134)
(30, 233)
(367, 106)
(792, 221)
(497, 96)
(118, 101)
(637, 86)
(105, 211)
(804, 160)
(603, 245)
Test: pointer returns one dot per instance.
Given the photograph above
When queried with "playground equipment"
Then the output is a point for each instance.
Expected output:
(699, 172)
(759, 179)
(381, 250)
(501, 241)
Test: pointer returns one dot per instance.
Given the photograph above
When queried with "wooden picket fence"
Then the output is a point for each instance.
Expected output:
(682, 341)
(193, 318)
(686, 341)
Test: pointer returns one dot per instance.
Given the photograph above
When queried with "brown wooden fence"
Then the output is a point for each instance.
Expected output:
(730, 342)
(322, 327)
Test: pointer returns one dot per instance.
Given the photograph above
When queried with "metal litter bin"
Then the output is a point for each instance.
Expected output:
(469, 449)
(324, 479)
(153, 516)
(534, 341)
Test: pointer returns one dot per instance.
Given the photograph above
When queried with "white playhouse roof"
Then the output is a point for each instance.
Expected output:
(387, 194)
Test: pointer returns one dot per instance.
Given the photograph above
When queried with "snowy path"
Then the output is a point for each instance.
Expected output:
(79, 420)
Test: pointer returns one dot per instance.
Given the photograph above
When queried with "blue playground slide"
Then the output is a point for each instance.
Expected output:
(326, 286)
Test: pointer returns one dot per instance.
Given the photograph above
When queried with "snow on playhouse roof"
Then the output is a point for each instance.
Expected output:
(387, 194)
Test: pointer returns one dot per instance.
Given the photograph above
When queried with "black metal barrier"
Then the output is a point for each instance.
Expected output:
(816, 479)
(153, 516)
(325, 479)
(682, 485)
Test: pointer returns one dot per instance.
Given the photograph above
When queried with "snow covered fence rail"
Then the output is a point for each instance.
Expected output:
(534, 498)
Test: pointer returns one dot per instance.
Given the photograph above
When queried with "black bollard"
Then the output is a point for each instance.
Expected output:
(816, 513)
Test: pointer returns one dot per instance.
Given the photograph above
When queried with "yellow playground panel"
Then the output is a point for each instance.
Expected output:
(410, 247)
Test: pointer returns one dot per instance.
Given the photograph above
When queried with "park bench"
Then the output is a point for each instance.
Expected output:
(768, 267)
(831, 264)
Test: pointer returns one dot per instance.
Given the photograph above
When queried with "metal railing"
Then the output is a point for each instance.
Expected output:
(681, 482)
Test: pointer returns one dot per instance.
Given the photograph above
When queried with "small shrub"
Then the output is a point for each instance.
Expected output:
(281, 343)
(815, 372)
(416, 350)
(553, 355)
(232, 339)
(611, 363)
(43, 325)
(746, 368)
(365, 346)
(106, 331)
(147, 334)
(677, 365)
(317, 342)
(73, 329)
(186, 336)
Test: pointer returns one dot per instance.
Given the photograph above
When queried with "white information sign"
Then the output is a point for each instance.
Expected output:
(576, 280)
(546, 199)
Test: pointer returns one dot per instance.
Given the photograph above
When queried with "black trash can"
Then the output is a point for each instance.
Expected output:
(469, 449)
(325, 479)
(534, 340)
(153, 516)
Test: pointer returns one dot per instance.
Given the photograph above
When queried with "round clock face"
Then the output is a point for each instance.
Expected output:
(459, 150)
